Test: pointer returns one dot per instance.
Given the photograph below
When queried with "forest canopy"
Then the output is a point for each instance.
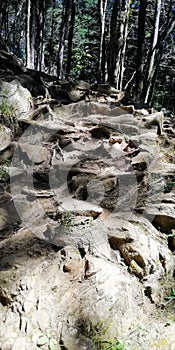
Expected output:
(127, 43)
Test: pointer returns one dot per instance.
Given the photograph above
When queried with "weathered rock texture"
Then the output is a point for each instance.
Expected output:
(86, 223)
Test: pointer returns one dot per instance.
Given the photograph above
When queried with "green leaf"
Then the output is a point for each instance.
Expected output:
(43, 339)
(120, 347)
(49, 334)
(52, 344)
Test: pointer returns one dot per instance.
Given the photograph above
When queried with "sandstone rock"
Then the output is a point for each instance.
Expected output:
(6, 156)
(17, 98)
(4, 218)
(5, 137)
(162, 216)
(141, 161)
(32, 83)
(33, 153)
(80, 207)
(10, 62)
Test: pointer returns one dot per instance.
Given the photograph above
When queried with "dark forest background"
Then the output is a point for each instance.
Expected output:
(127, 43)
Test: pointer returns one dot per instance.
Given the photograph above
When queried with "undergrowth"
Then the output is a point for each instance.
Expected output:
(7, 110)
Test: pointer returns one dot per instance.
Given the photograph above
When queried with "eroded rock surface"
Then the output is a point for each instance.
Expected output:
(87, 227)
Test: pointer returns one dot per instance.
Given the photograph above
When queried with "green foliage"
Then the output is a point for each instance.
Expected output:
(4, 175)
(96, 333)
(4, 171)
(49, 339)
(172, 296)
(86, 41)
(7, 110)
(169, 185)
(82, 61)
(67, 219)
(2, 128)
(43, 339)
(108, 345)
(52, 23)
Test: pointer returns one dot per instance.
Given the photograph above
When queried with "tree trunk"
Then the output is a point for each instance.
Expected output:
(51, 43)
(153, 48)
(118, 37)
(15, 31)
(70, 39)
(40, 34)
(140, 47)
(28, 32)
(123, 32)
(63, 31)
(4, 19)
(2, 15)
(160, 49)
(102, 4)
(113, 43)
(33, 33)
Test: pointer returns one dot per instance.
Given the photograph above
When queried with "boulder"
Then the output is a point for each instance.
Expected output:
(32, 153)
(5, 137)
(16, 99)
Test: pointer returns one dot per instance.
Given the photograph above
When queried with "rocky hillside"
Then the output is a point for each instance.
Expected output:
(87, 220)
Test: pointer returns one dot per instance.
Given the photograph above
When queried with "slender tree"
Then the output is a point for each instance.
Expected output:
(33, 33)
(160, 51)
(63, 32)
(118, 37)
(4, 5)
(151, 69)
(28, 34)
(40, 25)
(102, 5)
(70, 38)
(140, 47)
(123, 33)
(51, 24)
(113, 43)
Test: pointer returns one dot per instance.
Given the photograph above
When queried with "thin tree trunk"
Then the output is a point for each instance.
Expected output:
(28, 37)
(113, 43)
(160, 49)
(124, 18)
(140, 47)
(153, 49)
(149, 101)
(4, 20)
(102, 7)
(70, 39)
(2, 12)
(51, 43)
(14, 31)
(33, 33)
(40, 34)
(63, 30)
